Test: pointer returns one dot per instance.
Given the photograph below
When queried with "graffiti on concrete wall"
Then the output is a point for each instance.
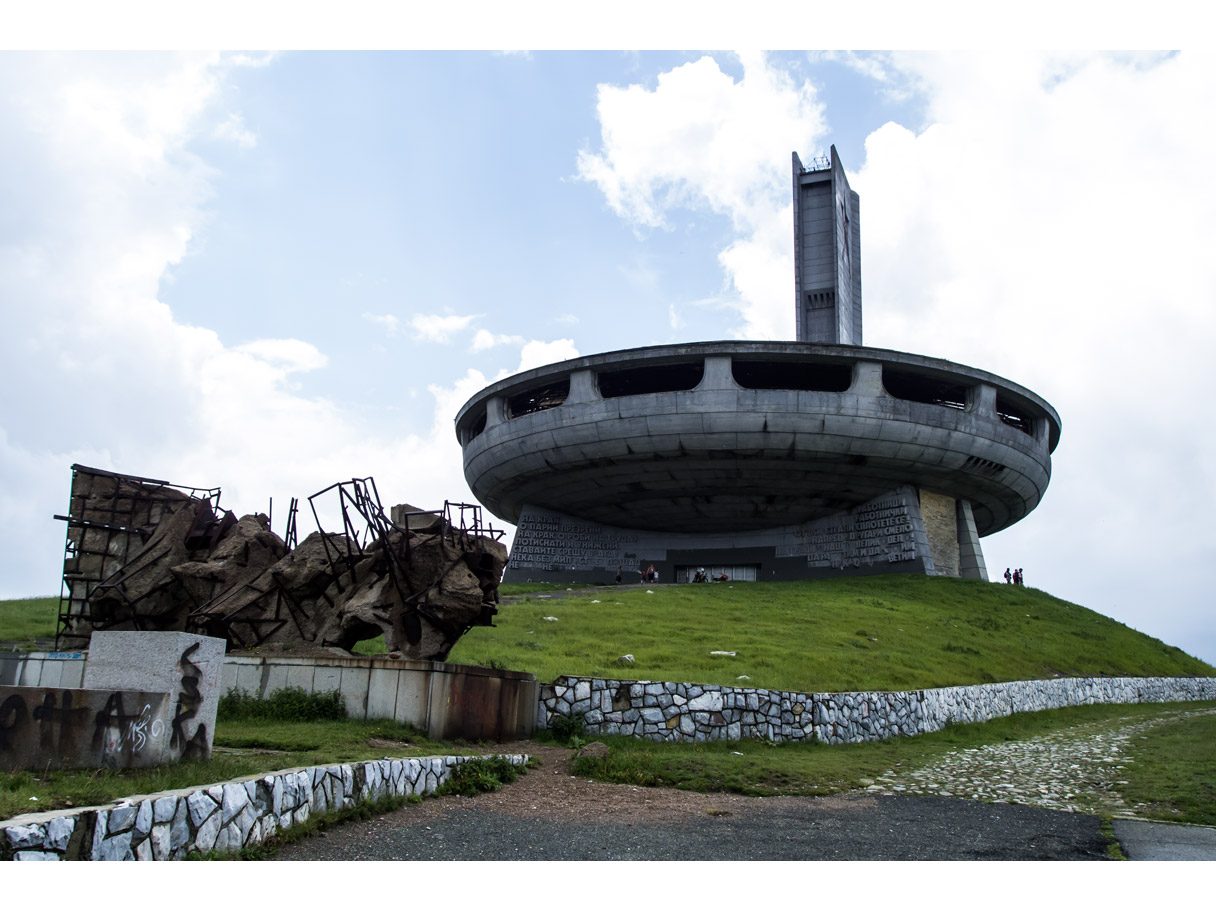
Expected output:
(188, 702)
(116, 731)
(62, 728)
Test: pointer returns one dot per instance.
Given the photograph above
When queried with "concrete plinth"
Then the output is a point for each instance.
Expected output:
(187, 666)
(62, 728)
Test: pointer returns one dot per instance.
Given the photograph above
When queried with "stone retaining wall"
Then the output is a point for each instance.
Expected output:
(224, 818)
(664, 711)
(446, 701)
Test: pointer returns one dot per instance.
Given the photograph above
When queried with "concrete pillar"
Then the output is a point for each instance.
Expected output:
(982, 400)
(1042, 429)
(718, 374)
(496, 411)
(582, 387)
(939, 513)
(867, 379)
(970, 558)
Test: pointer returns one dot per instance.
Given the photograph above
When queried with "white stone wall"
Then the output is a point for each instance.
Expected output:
(665, 711)
(224, 818)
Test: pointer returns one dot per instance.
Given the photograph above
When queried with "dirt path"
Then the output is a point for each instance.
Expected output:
(548, 814)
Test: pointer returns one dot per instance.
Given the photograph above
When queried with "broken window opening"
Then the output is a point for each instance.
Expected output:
(539, 398)
(666, 378)
(793, 375)
(473, 430)
(917, 388)
(1014, 416)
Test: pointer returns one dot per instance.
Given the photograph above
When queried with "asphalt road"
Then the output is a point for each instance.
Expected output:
(849, 827)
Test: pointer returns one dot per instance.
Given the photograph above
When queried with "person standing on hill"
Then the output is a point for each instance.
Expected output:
(1008, 577)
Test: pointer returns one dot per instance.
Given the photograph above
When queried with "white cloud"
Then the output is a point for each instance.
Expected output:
(538, 354)
(484, 340)
(286, 355)
(440, 327)
(233, 130)
(388, 322)
(700, 140)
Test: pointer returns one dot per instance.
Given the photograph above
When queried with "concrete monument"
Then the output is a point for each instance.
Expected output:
(761, 460)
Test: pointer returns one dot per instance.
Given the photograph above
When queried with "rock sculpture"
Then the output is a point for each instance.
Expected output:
(143, 554)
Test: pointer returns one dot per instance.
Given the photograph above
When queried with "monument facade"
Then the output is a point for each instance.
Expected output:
(761, 460)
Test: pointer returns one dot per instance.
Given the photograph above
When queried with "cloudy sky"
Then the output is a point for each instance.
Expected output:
(271, 272)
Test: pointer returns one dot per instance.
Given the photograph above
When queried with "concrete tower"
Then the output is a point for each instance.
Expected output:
(827, 253)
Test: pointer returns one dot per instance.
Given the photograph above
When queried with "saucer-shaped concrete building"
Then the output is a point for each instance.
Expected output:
(761, 460)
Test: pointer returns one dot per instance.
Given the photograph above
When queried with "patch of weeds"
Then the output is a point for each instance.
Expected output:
(962, 650)
(984, 623)
(616, 767)
(290, 704)
(1113, 848)
(483, 774)
(566, 729)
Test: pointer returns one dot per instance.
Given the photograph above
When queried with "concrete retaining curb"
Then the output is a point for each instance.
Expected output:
(225, 817)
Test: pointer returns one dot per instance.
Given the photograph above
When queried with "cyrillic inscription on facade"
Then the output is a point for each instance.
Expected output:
(548, 540)
(877, 532)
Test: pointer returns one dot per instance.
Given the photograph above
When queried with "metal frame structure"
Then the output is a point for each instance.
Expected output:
(361, 496)
(113, 517)
(105, 533)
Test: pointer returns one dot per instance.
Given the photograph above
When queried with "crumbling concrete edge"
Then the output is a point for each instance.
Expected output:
(222, 818)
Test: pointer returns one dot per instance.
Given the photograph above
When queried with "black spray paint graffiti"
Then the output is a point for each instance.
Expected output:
(13, 716)
(59, 723)
(68, 718)
(115, 729)
(188, 703)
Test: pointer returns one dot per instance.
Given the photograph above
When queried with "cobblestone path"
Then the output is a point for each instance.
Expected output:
(1077, 769)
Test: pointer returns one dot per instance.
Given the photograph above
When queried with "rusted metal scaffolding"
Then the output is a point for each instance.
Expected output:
(139, 556)
(110, 519)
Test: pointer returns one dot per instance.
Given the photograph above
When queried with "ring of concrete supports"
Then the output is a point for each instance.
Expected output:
(736, 436)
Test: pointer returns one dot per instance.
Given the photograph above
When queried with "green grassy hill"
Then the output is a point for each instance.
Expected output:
(873, 633)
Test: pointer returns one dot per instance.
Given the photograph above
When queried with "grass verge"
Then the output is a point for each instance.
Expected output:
(1173, 771)
(763, 768)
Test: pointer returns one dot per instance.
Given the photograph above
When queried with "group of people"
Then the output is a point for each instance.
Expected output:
(651, 575)
(1014, 577)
